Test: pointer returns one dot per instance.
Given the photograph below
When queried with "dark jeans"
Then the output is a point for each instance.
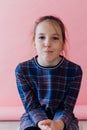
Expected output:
(32, 128)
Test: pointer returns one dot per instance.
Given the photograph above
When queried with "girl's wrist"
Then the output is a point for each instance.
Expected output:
(61, 124)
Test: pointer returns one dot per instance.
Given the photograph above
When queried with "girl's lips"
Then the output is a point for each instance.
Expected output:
(48, 51)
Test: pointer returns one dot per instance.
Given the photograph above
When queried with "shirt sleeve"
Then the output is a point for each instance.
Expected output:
(73, 88)
(29, 99)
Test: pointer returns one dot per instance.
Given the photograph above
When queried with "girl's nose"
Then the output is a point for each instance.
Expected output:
(47, 42)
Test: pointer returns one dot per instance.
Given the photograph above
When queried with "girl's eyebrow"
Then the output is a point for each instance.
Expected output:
(41, 33)
(52, 34)
(56, 34)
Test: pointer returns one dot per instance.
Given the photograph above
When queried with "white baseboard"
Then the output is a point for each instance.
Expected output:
(14, 113)
(81, 112)
(11, 113)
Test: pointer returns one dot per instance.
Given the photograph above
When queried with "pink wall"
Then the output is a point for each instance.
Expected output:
(16, 21)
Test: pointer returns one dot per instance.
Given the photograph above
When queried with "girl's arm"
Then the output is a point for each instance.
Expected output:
(29, 99)
(73, 88)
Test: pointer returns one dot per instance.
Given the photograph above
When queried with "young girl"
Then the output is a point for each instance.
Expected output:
(48, 84)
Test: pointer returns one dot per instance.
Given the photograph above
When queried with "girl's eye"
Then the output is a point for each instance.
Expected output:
(42, 37)
(55, 38)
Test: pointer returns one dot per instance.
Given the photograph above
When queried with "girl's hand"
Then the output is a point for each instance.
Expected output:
(51, 125)
(44, 127)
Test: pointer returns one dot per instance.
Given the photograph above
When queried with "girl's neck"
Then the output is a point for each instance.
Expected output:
(46, 63)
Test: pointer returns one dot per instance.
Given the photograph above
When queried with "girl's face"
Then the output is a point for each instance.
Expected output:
(49, 43)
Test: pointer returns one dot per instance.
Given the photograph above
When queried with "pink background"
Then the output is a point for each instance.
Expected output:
(16, 23)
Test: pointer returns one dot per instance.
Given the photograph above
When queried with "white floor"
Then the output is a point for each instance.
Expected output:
(9, 125)
(14, 125)
(83, 125)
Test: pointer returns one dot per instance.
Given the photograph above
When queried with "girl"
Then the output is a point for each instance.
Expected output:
(48, 84)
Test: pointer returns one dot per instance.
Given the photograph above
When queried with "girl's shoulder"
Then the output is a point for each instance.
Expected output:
(25, 65)
(70, 65)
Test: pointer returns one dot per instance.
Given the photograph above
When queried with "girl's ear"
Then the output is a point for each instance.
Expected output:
(33, 43)
(34, 48)
(62, 48)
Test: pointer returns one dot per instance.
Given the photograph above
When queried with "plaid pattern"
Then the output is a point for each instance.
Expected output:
(48, 92)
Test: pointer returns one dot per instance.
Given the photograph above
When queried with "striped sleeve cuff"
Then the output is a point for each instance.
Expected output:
(38, 115)
(65, 117)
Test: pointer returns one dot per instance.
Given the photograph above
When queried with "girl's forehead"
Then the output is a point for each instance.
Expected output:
(48, 26)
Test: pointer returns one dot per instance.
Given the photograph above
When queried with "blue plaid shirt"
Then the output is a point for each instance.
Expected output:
(48, 92)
